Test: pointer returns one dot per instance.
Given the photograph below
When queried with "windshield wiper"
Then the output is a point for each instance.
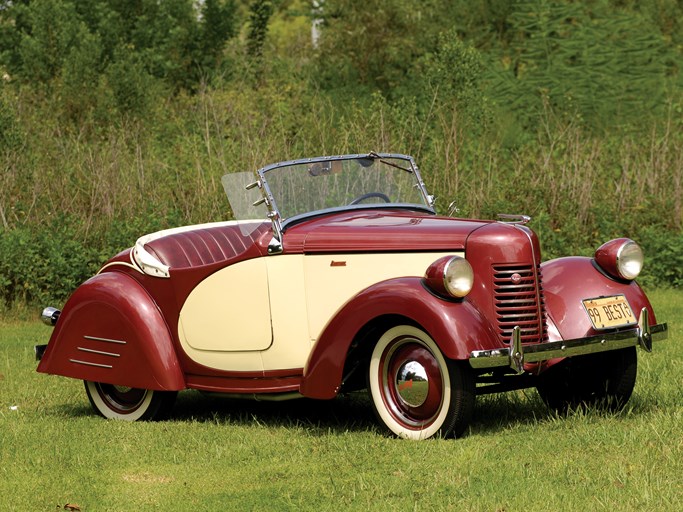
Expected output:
(375, 156)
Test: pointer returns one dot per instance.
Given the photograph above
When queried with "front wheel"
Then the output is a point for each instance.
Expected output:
(129, 404)
(416, 393)
(604, 380)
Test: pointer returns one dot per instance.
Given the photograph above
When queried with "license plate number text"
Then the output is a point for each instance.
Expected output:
(609, 312)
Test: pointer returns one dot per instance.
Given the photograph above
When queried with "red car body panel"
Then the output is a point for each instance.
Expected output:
(384, 230)
(456, 326)
(258, 383)
(563, 294)
(112, 331)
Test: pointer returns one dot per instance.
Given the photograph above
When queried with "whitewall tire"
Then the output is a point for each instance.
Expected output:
(416, 393)
(129, 404)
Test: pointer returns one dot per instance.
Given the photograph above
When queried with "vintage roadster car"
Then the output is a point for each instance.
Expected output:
(348, 280)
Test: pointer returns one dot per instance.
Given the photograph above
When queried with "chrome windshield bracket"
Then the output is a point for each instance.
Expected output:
(274, 247)
(516, 351)
(275, 244)
(644, 331)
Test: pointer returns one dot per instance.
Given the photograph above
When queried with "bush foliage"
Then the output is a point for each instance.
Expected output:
(119, 117)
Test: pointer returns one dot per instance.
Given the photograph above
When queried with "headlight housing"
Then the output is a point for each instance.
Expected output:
(450, 276)
(621, 258)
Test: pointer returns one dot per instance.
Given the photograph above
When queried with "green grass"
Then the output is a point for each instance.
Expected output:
(305, 455)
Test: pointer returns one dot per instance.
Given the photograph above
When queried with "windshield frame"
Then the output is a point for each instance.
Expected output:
(280, 224)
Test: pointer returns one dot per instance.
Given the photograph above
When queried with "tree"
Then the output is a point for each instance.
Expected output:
(602, 65)
(260, 12)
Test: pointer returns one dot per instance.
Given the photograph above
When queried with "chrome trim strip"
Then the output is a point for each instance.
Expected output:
(521, 301)
(100, 352)
(120, 263)
(106, 340)
(643, 335)
(519, 316)
(87, 363)
(513, 287)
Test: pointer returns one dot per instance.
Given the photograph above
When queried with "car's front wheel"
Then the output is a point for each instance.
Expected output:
(604, 380)
(129, 404)
(416, 393)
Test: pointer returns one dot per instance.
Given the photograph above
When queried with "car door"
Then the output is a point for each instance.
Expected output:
(225, 322)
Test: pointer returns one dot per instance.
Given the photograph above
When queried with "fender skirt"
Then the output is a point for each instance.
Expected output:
(456, 326)
(111, 331)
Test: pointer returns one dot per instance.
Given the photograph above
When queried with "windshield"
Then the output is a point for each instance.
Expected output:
(302, 187)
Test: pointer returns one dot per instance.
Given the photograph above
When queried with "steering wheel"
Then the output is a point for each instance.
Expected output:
(370, 195)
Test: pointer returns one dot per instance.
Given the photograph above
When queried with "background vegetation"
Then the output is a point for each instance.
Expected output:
(118, 117)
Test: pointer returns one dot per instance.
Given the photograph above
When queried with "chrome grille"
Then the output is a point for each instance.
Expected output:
(518, 300)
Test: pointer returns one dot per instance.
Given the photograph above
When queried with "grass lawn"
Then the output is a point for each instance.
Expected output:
(306, 455)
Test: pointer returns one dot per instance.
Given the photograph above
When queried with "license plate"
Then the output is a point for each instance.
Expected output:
(609, 312)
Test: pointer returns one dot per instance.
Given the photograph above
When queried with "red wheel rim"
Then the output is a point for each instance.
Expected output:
(411, 382)
(123, 400)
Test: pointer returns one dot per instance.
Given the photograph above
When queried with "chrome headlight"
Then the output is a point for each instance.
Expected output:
(450, 275)
(621, 258)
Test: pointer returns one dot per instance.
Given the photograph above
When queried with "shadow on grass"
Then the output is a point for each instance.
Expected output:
(348, 412)
(494, 413)
(352, 412)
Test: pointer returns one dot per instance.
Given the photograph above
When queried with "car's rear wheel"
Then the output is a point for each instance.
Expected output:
(416, 393)
(129, 404)
(603, 381)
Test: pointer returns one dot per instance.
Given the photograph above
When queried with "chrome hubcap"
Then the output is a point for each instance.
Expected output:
(412, 383)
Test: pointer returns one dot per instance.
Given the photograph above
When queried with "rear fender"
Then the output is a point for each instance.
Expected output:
(567, 281)
(457, 327)
(111, 331)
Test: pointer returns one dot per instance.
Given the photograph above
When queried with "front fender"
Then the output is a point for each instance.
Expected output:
(457, 327)
(111, 331)
(567, 281)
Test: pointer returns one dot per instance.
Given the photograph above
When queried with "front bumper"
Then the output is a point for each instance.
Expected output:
(515, 355)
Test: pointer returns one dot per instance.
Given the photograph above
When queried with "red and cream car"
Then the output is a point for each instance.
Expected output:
(348, 280)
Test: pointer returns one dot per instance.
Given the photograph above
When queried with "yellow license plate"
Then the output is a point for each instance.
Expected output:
(609, 312)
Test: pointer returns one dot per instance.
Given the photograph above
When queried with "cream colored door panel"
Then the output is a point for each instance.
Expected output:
(291, 341)
(229, 311)
(332, 280)
(226, 322)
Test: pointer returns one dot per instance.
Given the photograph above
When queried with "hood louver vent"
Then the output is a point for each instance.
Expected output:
(518, 300)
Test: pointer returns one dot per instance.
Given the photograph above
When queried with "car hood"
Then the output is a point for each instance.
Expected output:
(379, 230)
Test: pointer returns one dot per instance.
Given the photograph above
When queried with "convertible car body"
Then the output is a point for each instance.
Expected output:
(342, 278)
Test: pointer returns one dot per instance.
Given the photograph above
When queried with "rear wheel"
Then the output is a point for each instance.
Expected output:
(129, 404)
(416, 393)
(604, 380)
